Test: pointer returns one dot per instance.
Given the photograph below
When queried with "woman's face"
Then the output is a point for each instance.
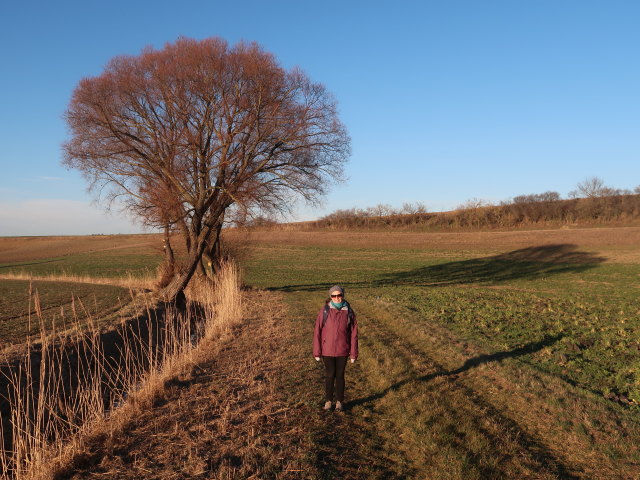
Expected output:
(336, 297)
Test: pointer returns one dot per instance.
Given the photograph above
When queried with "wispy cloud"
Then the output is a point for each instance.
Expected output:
(60, 217)
(43, 178)
(50, 179)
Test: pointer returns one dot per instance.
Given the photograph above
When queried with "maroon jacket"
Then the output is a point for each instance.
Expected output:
(337, 338)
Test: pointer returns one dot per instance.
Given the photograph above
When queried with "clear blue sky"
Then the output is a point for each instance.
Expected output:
(444, 100)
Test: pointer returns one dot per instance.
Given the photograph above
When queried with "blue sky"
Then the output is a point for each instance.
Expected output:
(444, 101)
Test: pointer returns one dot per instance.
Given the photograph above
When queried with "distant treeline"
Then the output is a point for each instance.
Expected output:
(592, 203)
(619, 208)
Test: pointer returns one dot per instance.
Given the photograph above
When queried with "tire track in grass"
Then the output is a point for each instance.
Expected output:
(425, 425)
(524, 411)
(447, 430)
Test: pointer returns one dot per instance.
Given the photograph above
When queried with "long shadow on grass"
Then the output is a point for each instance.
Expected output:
(538, 450)
(16, 265)
(526, 263)
(469, 364)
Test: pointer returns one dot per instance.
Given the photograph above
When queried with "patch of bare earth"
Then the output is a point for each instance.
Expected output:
(20, 249)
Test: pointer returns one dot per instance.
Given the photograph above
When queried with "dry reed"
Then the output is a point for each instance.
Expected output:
(64, 391)
(145, 281)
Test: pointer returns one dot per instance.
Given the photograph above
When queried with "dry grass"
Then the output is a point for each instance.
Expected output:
(226, 417)
(51, 422)
(145, 282)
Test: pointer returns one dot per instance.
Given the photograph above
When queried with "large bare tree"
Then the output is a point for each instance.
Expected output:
(182, 134)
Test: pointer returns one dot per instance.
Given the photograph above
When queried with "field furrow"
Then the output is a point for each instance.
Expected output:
(441, 426)
(502, 417)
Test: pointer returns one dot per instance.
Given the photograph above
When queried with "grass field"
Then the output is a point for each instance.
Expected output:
(59, 303)
(540, 328)
(99, 256)
(483, 355)
(583, 295)
(67, 273)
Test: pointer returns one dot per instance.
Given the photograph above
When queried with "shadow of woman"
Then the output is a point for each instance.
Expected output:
(469, 364)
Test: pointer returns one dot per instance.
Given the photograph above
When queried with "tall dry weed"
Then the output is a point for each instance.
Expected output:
(64, 390)
(227, 300)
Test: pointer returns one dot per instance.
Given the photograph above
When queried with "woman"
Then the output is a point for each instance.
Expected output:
(334, 340)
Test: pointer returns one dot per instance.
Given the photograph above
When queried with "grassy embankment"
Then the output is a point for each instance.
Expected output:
(484, 355)
(523, 212)
(70, 389)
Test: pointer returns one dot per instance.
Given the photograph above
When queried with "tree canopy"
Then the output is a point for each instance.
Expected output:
(185, 134)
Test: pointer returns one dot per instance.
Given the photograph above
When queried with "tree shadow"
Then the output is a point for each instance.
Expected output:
(469, 364)
(526, 263)
(538, 450)
(17, 265)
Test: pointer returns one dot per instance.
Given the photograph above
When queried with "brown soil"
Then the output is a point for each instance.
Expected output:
(18, 249)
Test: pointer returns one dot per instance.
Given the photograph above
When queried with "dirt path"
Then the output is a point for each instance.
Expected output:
(251, 409)
(245, 412)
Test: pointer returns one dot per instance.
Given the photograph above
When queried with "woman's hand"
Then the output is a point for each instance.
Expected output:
(353, 360)
(317, 359)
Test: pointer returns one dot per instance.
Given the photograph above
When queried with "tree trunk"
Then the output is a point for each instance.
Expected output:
(212, 254)
(168, 268)
(174, 291)
(168, 249)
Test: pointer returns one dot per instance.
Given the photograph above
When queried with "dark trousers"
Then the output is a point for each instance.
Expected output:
(334, 373)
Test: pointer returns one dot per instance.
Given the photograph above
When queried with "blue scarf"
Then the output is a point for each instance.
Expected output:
(338, 305)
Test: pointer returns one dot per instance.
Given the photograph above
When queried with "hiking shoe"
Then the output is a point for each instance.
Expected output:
(339, 407)
(327, 405)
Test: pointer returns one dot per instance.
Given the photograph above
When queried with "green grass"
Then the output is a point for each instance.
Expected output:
(472, 366)
(59, 298)
(101, 264)
(502, 302)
